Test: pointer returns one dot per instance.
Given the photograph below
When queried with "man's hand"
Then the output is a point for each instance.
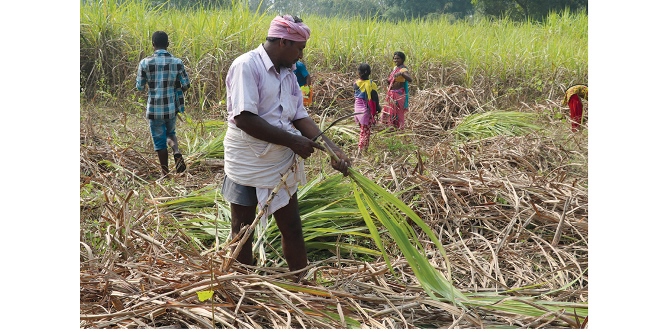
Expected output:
(342, 164)
(304, 147)
(308, 128)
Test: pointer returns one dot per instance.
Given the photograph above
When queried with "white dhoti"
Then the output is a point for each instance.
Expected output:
(257, 163)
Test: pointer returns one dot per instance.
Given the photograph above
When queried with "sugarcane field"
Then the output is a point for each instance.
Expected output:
(471, 214)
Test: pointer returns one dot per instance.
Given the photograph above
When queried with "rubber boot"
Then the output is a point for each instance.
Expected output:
(163, 159)
(179, 163)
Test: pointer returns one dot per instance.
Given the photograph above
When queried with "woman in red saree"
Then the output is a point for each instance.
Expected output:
(397, 96)
(573, 99)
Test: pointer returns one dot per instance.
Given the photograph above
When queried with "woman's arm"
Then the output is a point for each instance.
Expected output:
(405, 74)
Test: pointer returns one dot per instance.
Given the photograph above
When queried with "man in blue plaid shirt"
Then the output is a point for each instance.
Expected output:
(167, 80)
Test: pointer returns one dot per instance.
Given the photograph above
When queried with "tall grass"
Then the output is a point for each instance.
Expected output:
(503, 56)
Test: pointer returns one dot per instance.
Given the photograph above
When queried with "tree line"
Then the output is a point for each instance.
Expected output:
(396, 10)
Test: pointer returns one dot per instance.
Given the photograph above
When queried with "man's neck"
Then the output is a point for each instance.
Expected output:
(269, 49)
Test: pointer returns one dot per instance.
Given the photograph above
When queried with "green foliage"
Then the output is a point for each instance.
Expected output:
(91, 202)
(488, 124)
(405, 9)
(204, 228)
(330, 223)
(204, 139)
(501, 200)
(343, 8)
(204, 216)
(116, 36)
(201, 198)
(526, 306)
(90, 196)
(193, 4)
(526, 9)
(394, 215)
(395, 143)
(393, 10)
(523, 56)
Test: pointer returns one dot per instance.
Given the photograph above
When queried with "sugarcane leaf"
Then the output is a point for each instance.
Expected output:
(372, 227)
(343, 247)
(383, 204)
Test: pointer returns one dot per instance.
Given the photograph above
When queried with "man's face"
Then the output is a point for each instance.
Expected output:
(291, 52)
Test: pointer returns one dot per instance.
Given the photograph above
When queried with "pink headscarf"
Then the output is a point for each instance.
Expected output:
(285, 27)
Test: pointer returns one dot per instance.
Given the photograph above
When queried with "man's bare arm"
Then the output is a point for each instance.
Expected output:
(310, 129)
(257, 127)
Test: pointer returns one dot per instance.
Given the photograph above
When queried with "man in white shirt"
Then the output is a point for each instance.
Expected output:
(267, 126)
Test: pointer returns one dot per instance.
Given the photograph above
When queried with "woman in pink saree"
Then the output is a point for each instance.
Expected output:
(397, 96)
(366, 105)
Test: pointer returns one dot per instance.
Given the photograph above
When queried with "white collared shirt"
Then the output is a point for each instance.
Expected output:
(254, 85)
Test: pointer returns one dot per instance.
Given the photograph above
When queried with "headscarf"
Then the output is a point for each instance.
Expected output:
(578, 89)
(286, 28)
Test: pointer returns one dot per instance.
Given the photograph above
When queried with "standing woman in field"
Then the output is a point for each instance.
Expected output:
(366, 105)
(397, 96)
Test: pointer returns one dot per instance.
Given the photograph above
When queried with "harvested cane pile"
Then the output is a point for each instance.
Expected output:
(511, 212)
(441, 108)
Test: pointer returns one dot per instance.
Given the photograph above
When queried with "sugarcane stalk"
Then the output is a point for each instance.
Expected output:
(248, 229)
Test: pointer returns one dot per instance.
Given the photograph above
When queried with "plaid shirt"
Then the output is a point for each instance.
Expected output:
(165, 76)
